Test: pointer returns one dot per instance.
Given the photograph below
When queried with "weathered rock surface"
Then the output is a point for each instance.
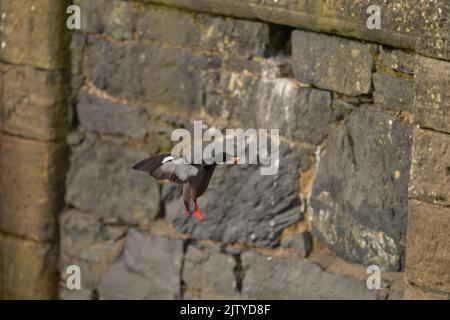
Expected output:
(34, 102)
(101, 181)
(332, 63)
(28, 269)
(300, 242)
(359, 197)
(288, 278)
(201, 271)
(397, 60)
(428, 246)
(147, 71)
(125, 21)
(241, 205)
(104, 116)
(90, 245)
(32, 173)
(32, 33)
(430, 172)
(393, 93)
(150, 268)
(300, 113)
(432, 95)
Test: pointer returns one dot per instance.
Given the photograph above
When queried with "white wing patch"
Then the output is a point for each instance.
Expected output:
(166, 159)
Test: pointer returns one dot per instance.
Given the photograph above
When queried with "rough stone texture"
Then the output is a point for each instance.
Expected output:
(299, 113)
(101, 181)
(147, 72)
(332, 63)
(359, 197)
(28, 269)
(209, 271)
(287, 278)
(32, 33)
(149, 268)
(399, 23)
(300, 242)
(397, 60)
(34, 102)
(428, 247)
(125, 21)
(393, 93)
(32, 173)
(89, 244)
(241, 205)
(415, 293)
(430, 172)
(105, 116)
(432, 94)
(433, 20)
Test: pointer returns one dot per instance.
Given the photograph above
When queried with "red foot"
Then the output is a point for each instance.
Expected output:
(187, 213)
(197, 212)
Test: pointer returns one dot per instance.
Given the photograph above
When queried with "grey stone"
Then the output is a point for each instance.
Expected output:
(430, 172)
(300, 113)
(124, 21)
(397, 60)
(300, 242)
(332, 63)
(432, 101)
(75, 294)
(89, 244)
(75, 138)
(148, 72)
(209, 271)
(105, 116)
(359, 199)
(241, 205)
(150, 268)
(101, 181)
(289, 278)
(393, 93)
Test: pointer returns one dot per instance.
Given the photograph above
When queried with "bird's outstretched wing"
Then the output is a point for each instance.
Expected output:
(165, 166)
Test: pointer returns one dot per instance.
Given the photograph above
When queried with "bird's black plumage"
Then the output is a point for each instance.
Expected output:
(194, 177)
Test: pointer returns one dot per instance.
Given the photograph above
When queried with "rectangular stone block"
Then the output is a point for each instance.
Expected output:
(128, 20)
(428, 246)
(200, 271)
(393, 93)
(34, 102)
(397, 60)
(28, 269)
(430, 168)
(35, 33)
(349, 18)
(31, 183)
(332, 63)
(432, 93)
(289, 278)
(148, 72)
(415, 293)
(433, 21)
(89, 244)
(149, 268)
(106, 116)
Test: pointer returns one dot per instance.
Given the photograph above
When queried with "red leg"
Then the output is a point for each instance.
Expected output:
(187, 213)
(197, 212)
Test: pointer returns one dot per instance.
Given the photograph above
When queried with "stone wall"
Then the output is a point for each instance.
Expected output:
(33, 153)
(364, 166)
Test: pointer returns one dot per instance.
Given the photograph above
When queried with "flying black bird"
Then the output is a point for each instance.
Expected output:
(194, 177)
